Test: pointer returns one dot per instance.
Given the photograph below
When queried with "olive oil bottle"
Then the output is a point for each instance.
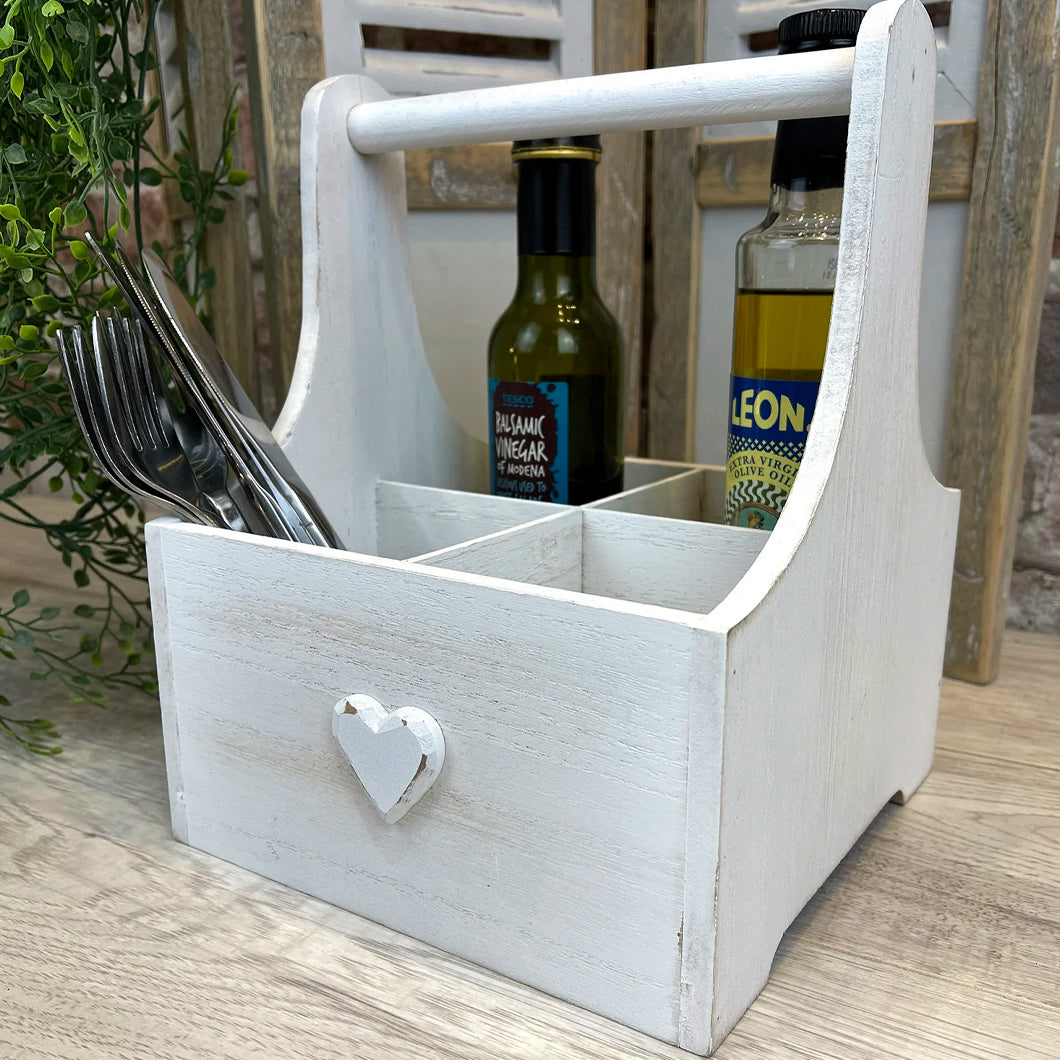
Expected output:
(556, 353)
(785, 275)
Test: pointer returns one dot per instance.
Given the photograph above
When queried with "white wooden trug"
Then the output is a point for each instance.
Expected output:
(661, 733)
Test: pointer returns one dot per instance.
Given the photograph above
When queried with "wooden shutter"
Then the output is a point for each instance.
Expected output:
(413, 47)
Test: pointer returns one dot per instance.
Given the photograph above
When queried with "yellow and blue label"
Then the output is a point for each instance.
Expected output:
(768, 423)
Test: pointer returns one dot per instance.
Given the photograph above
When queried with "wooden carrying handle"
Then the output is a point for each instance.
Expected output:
(812, 85)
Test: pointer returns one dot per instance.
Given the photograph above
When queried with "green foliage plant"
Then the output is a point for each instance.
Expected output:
(74, 120)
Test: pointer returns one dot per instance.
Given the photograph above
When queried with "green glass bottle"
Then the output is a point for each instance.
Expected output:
(556, 354)
(785, 275)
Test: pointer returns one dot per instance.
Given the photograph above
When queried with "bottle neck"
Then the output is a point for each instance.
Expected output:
(805, 212)
(557, 207)
(810, 154)
(546, 277)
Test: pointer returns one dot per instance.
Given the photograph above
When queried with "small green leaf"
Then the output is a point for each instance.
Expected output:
(119, 149)
(79, 249)
(150, 177)
(88, 643)
(74, 214)
(55, 483)
(97, 662)
(21, 598)
(33, 371)
(7, 36)
(51, 613)
(15, 154)
(40, 105)
(23, 638)
(238, 177)
(46, 303)
(77, 31)
(81, 578)
(111, 296)
(124, 217)
(209, 280)
(6, 342)
(84, 611)
(51, 9)
(18, 82)
(187, 192)
(47, 56)
(10, 212)
(28, 332)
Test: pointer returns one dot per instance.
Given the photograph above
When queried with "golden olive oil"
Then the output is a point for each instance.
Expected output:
(781, 334)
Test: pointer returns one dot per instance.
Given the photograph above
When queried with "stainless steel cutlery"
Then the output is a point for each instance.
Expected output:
(208, 457)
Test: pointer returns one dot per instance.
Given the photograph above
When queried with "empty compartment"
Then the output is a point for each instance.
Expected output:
(414, 520)
(689, 492)
(672, 563)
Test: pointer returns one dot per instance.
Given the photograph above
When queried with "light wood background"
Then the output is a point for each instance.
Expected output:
(938, 936)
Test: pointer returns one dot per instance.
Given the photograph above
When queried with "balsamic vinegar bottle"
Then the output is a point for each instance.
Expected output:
(556, 354)
(785, 275)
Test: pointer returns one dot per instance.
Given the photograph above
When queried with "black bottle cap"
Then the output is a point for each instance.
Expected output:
(829, 27)
(810, 153)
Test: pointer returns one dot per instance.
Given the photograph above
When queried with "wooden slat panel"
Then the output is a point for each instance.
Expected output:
(736, 172)
(620, 44)
(1013, 203)
(675, 226)
(403, 73)
(476, 177)
(202, 27)
(285, 58)
(535, 18)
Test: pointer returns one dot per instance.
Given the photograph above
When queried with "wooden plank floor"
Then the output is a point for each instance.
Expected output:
(938, 936)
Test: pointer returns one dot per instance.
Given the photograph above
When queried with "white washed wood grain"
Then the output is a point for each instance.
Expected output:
(415, 520)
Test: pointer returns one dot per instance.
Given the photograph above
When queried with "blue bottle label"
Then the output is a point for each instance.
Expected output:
(768, 423)
(529, 440)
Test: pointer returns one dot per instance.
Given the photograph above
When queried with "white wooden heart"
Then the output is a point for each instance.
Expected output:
(396, 755)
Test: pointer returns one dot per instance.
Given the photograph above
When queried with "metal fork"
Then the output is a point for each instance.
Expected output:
(131, 417)
(108, 452)
(171, 433)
